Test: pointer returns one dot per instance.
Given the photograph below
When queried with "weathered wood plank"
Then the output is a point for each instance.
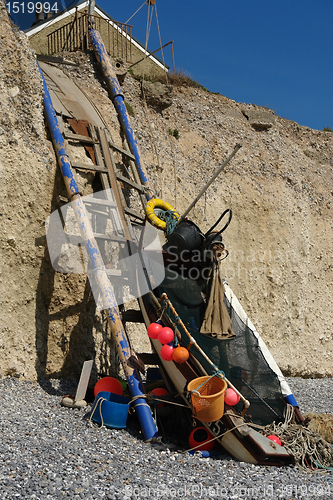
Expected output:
(78, 137)
(121, 150)
(128, 181)
(133, 213)
(89, 166)
(76, 239)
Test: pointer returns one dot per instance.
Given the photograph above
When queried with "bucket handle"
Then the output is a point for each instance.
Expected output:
(99, 403)
(217, 373)
(196, 392)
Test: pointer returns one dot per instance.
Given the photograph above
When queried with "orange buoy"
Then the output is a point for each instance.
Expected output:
(180, 354)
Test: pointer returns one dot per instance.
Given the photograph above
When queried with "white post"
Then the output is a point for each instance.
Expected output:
(91, 11)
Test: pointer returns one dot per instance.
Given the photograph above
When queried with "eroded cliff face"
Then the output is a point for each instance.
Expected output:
(48, 322)
(25, 201)
(279, 187)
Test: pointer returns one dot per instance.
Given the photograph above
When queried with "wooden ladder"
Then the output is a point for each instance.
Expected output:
(116, 204)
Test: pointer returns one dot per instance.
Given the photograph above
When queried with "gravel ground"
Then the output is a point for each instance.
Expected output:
(49, 452)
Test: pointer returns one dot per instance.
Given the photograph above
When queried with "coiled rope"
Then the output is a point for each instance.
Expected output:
(309, 449)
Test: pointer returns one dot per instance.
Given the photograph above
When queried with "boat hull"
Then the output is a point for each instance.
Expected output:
(240, 440)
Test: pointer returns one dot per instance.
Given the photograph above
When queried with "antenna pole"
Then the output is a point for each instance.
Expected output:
(218, 171)
(91, 12)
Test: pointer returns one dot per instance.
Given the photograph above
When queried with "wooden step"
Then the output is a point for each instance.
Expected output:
(132, 316)
(54, 59)
(99, 201)
(78, 137)
(121, 150)
(118, 239)
(133, 184)
(133, 213)
(75, 239)
(89, 166)
(117, 273)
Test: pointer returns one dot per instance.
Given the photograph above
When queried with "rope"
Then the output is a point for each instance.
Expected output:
(156, 398)
(165, 298)
(142, 404)
(175, 341)
(153, 142)
(159, 36)
(145, 107)
(171, 219)
(162, 314)
(309, 449)
(128, 20)
(99, 403)
(149, 20)
(321, 467)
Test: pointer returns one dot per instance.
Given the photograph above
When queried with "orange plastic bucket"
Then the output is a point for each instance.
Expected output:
(207, 397)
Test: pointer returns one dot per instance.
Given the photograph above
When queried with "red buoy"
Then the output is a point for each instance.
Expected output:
(200, 436)
(231, 397)
(159, 391)
(166, 335)
(167, 352)
(153, 330)
(275, 439)
(108, 384)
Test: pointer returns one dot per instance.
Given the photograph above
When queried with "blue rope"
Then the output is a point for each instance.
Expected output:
(175, 341)
(171, 219)
(319, 465)
(215, 374)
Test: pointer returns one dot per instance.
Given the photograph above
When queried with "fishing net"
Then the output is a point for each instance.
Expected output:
(309, 449)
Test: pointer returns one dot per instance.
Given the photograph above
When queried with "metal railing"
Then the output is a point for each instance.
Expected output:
(74, 36)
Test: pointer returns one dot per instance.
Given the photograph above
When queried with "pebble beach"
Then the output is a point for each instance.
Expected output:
(48, 451)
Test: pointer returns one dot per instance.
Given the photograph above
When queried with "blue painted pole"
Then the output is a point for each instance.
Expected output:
(117, 330)
(118, 101)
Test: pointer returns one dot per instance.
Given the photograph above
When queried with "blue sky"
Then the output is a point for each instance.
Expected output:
(274, 53)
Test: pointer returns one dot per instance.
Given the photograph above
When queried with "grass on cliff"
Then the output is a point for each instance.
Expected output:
(177, 79)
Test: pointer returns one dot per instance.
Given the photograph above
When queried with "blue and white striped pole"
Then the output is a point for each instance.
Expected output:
(117, 97)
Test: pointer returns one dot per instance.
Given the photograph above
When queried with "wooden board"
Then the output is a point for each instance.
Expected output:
(67, 97)
(84, 380)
